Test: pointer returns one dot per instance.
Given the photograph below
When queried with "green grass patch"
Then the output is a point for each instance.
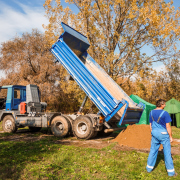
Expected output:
(45, 159)
(175, 132)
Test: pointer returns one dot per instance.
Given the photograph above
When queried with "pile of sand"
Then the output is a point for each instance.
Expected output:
(136, 136)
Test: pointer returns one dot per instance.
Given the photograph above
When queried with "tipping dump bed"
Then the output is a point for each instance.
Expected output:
(111, 100)
(107, 82)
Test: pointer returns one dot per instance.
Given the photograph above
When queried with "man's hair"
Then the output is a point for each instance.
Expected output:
(160, 102)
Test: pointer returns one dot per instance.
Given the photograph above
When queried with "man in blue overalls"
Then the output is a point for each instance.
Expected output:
(161, 134)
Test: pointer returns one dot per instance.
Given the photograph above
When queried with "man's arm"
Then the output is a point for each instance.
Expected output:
(150, 126)
(168, 127)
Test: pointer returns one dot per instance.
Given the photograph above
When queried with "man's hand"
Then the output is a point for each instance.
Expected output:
(150, 127)
(171, 139)
(168, 127)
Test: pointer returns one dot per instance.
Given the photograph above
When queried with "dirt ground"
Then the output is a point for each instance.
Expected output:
(98, 143)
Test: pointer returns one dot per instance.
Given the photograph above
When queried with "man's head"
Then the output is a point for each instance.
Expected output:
(161, 103)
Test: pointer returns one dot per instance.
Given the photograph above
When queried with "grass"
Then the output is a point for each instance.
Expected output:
(175, 132)
(45, 159)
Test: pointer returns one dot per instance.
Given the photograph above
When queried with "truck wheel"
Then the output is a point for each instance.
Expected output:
(34, 129)
(83, 127)
(60, 126)
(70, 122)
(9, 124)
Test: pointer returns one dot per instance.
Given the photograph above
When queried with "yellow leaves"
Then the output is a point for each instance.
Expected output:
(160, 85)
(67, 9)
(52, 19)
(155, 42)
(131, 23)
(47, 2)
(58, 2)
(131, 15)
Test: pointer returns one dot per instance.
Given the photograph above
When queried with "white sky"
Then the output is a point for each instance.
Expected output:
(14, 22)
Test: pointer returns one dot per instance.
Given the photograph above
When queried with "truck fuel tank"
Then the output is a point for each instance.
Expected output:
(23, 108)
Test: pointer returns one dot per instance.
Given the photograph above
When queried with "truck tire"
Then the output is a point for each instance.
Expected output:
(8, 124)
(83, 127)
(60, 126)
(70, 121)
(34, 129)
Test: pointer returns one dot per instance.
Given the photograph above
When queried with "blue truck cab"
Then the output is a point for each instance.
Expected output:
(20, 106)
(15, 95)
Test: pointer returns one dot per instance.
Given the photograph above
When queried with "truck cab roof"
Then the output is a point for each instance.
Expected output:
(9, 86)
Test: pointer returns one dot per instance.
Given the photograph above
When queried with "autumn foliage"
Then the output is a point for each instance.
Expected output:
(120, 33)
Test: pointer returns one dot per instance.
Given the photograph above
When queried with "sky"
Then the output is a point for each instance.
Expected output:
(20, 16)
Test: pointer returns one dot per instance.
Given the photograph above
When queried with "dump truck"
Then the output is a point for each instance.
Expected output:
(22, 106)
(116, 108)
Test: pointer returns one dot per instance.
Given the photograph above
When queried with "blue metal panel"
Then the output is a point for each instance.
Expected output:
(126, 106)
(86, 80)
(109, 116)
(9, 99)
(21, 98)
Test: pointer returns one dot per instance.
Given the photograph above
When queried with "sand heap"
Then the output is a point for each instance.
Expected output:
(136, 136)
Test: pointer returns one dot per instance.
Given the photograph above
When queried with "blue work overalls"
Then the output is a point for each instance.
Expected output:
(160, 136)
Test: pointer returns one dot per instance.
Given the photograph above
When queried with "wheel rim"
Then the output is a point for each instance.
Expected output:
(60, 126)
(8, 124)
(82, 128)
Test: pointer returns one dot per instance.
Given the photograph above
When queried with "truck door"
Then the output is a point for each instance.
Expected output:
(19, 96)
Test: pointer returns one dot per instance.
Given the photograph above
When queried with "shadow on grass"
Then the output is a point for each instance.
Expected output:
(26, 131)
(160, 158)
(15, 155)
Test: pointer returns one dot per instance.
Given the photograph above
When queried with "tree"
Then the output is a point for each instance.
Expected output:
(164, 84)
(119, 30)
(27, 60)
(173, 72)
